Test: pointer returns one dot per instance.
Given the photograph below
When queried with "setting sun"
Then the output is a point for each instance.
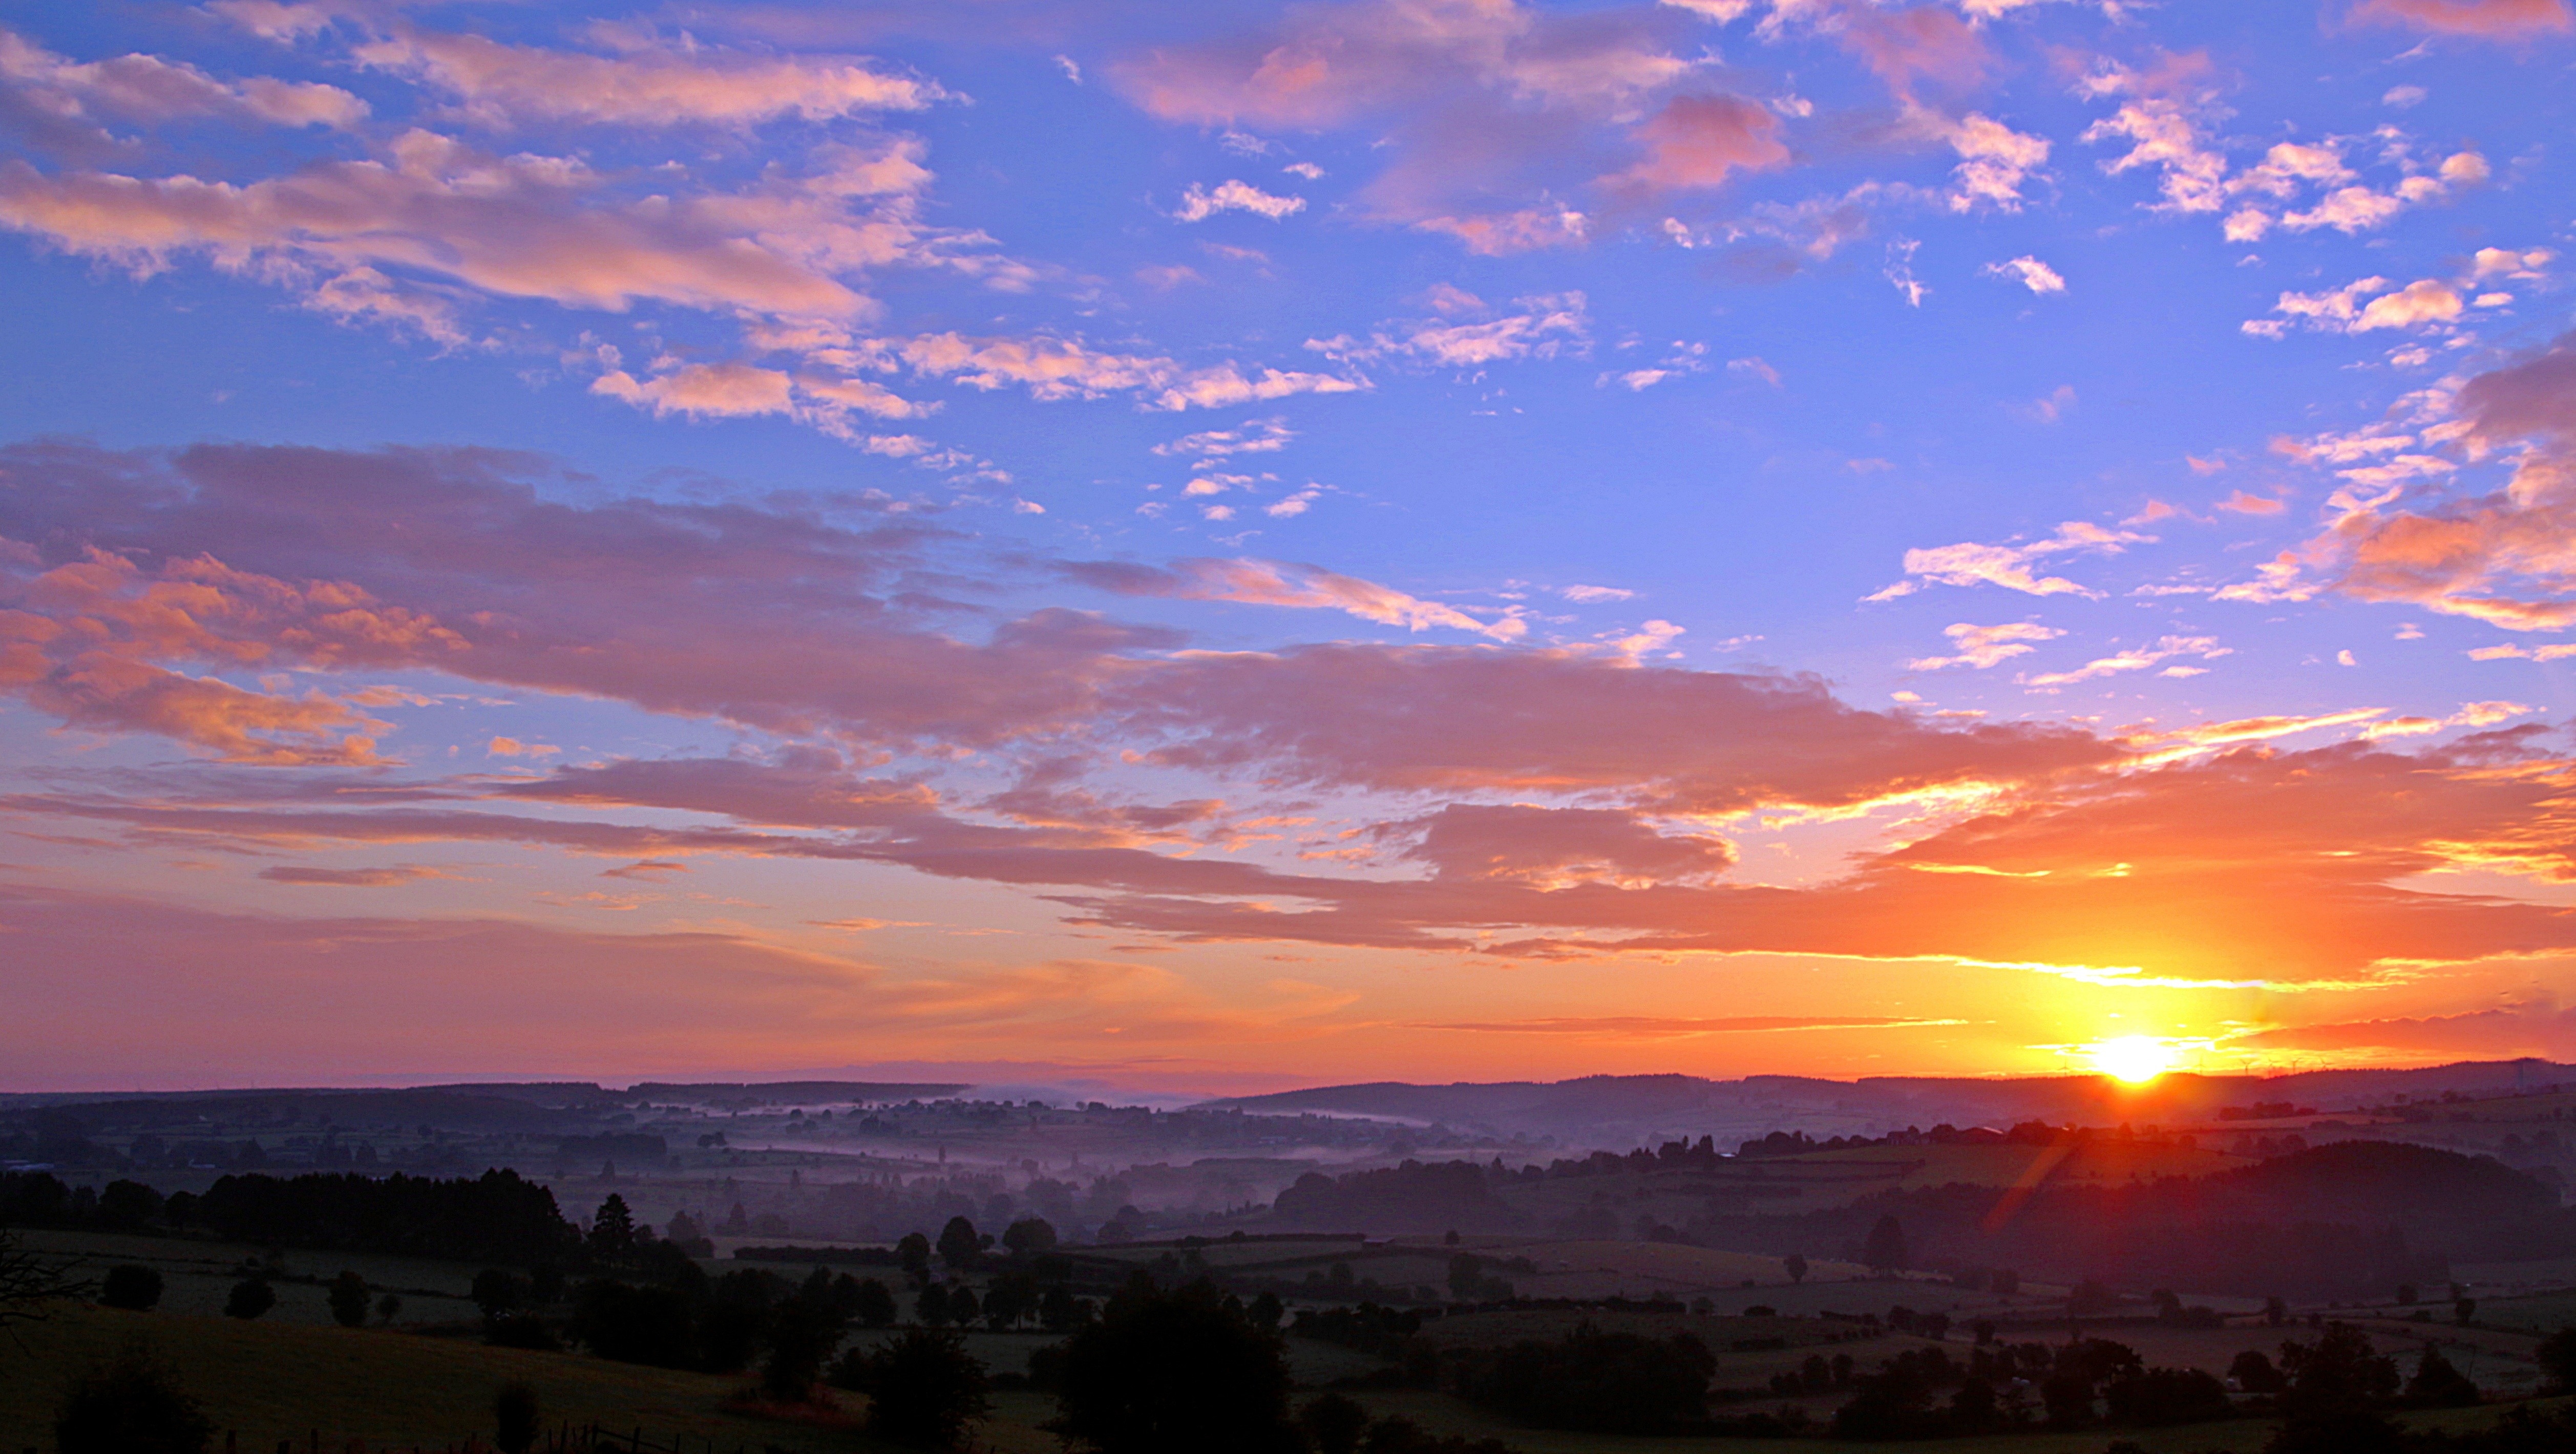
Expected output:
(2135, 1059)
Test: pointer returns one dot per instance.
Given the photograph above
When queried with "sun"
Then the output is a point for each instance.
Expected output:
(2135, 1059)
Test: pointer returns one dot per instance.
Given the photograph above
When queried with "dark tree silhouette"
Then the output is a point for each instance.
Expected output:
(2334, 1388)
(1611, 1383)
(1333, 1424)
(914, 1253)
(349, 1300)
(2254, 1373)
(135, 1289)
(499, 1292)
(1885, 1249)
(2438, 1383)
(932, 1306)
(802, 1333)
(1795, 1266)
(131, 1404)
(31, 1286)
(249, 1298)
(1175, 1372)
(515, 1419)
(612, 1230)
(2557, 1357)
(923, 1388)
(873, 1304)
(1029, 1236)
(959, 1244)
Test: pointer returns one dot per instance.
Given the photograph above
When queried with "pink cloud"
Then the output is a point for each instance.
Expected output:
(673, 607)
(1558, 847)
(1284, 583)
(703, 390)
(1491, 110)
(521, 227)
(2488, 19)
(2503, 557)
(348, 878)
(148, 88)
(1697, 141)
(501, 85)
(1407, 718)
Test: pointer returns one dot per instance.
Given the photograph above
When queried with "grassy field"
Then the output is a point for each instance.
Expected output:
(272, 1381)
(1833, 1175)
(196, 1276)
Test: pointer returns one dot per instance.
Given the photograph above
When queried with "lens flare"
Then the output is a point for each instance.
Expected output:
(2135, 1059)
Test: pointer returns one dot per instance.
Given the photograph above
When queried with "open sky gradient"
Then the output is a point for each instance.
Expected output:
(1224, 545)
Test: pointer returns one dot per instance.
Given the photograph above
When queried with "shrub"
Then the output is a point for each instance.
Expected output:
(349, 1300)
(514, 1419)
(249, 1298)
(131, 1404)
(1609, 1383)
(135, 1289)
(1333, 1424)
(873, 1305)
(1175, 1372)
(2167, 1396)
(923, 1388)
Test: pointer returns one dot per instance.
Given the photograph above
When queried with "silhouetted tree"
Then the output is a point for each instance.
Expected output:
(2463, 1309)
(923, 1388)
(133, 1288)
(2334, 1386)
(1885, 1249)
(2254, 1373)
(2438, 1383)
(932, 1306)
(2557, 1358)
(515, 1420)
(914, 1253)
(1029, 1236)
(1175, 1372)
(1267, 1311)
(959, 1246)
(1795, 1266)
(1333, 1424)
(1612, 1383)
(2157, 1396)
(131, 1404)
(387, 1307)
(802, 1333)
(499, 1293)
(874, 1304)
(249, 1298)
(649, 1325)
(31, 1287)
(348, 1297)
(612, 1230)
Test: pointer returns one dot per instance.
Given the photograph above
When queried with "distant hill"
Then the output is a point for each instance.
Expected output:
(790, 1092)
(1619, 1110)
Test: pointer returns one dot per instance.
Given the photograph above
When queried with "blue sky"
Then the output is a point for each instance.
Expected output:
(1894, 439)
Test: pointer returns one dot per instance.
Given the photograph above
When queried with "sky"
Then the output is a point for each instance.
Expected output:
(1220, 546)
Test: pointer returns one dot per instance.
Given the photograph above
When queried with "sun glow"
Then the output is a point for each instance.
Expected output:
(2135, 1059)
